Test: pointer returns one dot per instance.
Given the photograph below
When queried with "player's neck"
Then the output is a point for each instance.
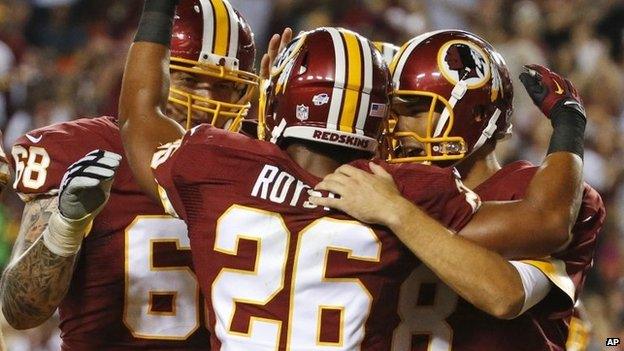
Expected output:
(317, 164)
(479, 167)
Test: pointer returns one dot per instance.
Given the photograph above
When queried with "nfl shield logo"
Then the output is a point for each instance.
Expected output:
(302, 112)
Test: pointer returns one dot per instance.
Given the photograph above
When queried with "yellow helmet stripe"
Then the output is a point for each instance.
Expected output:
(367, 55)
(379, 45)
(221, 28)
(233, 35)
(354, 81)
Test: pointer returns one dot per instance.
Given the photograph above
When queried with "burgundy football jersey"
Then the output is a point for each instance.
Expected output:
(281, 273)
(443, 321)
(133, 286)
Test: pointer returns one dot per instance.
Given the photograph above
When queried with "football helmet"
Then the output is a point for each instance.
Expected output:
(210, 38)
(329, 85)
(462, 85)
(388, 50)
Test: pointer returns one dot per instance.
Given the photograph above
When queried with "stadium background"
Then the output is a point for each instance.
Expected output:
(63, 59)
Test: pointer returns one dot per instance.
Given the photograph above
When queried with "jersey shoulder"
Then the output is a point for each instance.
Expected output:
(208, 155)
(509, 183)
(590, 219)
(230, 144)
(421, 182)
(437, 191)
(41, 157)
(221, 151)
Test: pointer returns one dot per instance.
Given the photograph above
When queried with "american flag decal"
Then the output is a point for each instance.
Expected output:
(378, 110)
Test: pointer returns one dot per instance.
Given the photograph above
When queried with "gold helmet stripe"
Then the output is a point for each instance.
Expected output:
(354, 81)
(233, 34)
(221, 28)
(335, 108)
(367, 56)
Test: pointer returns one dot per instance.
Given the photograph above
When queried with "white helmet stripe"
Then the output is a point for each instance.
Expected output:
(209, 24)
(405, 54)
(233, 44)
(340, 78)
(367, 87)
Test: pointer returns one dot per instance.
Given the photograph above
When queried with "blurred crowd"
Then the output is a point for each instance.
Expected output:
(63, 59)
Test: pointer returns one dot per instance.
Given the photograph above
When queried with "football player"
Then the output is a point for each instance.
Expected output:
(453, 99)
(280, 273)
(129, 285)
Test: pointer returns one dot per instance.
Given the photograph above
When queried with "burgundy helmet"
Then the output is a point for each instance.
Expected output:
(462, 78)
(211, 38)
(330, 86)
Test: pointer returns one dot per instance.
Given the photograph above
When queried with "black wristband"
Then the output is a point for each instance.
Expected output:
(568, 130)
(156, 21)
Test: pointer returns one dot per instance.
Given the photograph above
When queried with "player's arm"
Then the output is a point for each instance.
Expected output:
(541, 223)
(51, 233)
(144, 93)
(23, 305)
(480, 276)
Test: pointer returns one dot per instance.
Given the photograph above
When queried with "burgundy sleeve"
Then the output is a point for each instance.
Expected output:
(180, 167)
(165, 170)
(567, 269)
(41, 158)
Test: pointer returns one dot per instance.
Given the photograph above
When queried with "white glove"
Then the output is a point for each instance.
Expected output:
(84, 191)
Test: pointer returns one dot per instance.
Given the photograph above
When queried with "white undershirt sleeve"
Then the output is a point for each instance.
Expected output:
(535, 283)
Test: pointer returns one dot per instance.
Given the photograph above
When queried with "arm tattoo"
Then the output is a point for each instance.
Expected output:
(36, 280)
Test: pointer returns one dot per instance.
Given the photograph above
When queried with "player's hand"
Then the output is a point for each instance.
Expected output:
(550, 91)
(86, 185)
(370, 198)
(276, 45)
(4, 167)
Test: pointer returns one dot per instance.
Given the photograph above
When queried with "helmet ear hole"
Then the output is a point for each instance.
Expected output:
(478, 113)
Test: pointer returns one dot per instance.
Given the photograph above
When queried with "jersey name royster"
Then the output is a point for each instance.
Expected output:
(282, 274)
(133, 286)
(462, 327)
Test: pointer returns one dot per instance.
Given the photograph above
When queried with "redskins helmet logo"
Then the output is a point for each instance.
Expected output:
(464, 60)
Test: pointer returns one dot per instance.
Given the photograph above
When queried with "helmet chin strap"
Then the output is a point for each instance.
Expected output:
(488, 131)
(278, 130)
(457, 94)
